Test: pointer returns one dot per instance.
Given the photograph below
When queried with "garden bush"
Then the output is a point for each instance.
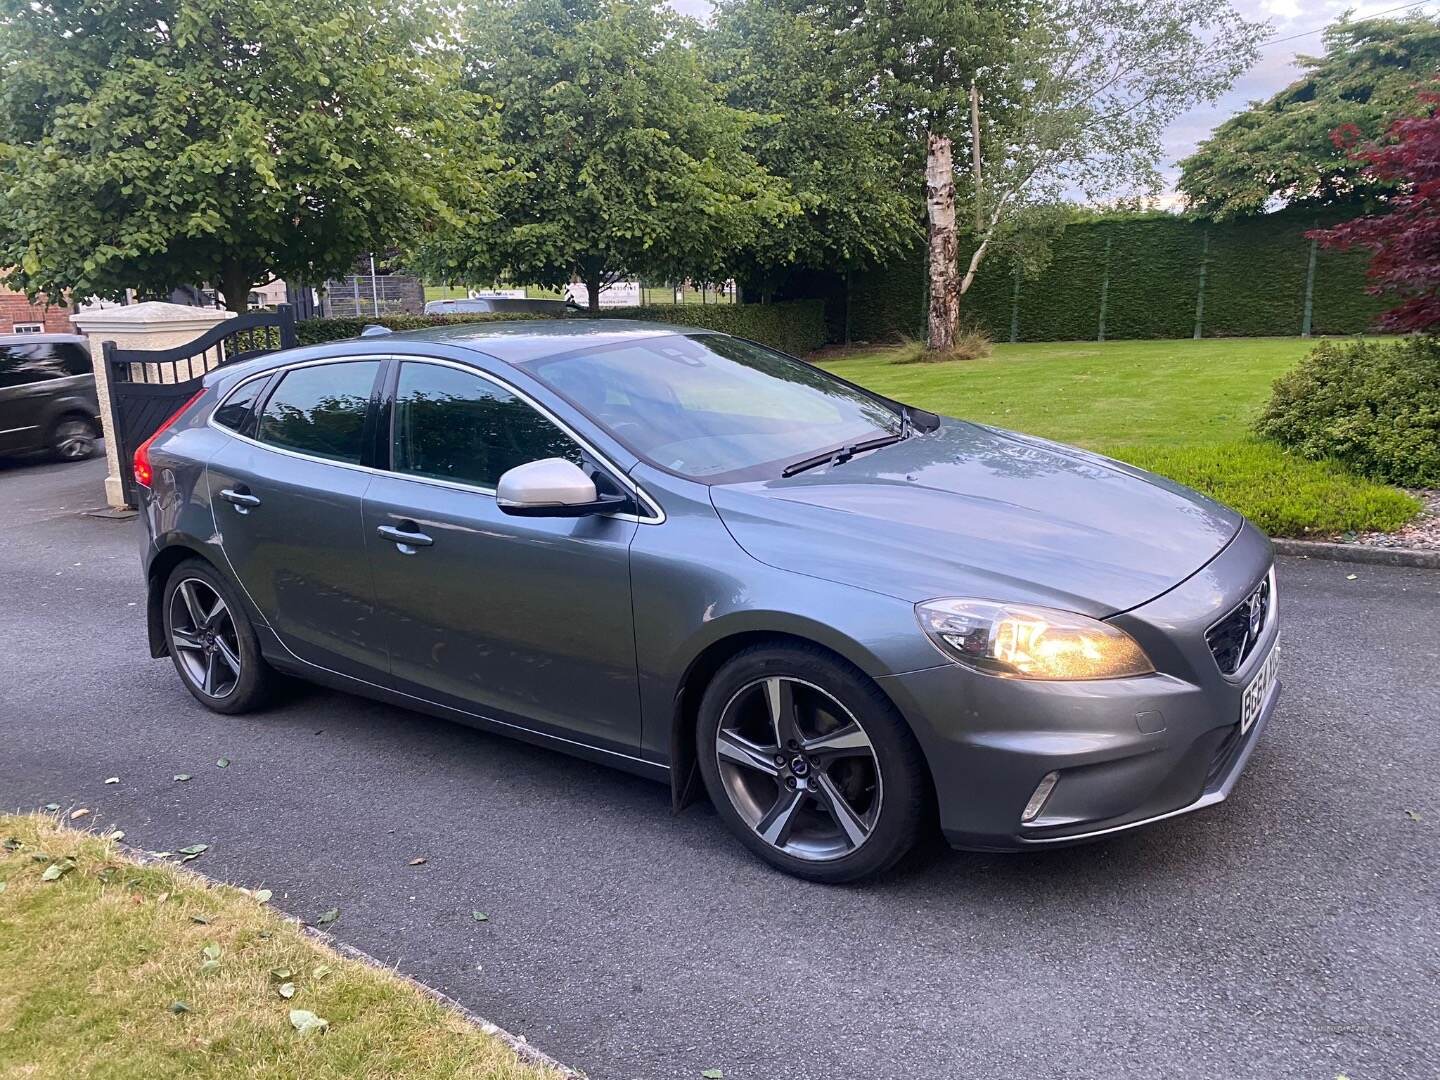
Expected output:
(1375, 406)
(796, 326)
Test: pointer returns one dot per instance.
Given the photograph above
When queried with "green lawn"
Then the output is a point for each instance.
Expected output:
(1181, 408)
(116, 969)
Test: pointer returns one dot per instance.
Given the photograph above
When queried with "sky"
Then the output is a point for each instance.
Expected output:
(1297, 20)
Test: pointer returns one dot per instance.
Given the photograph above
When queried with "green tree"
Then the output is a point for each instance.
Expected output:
(1281, 150)
(844, 168)
(622, 157)
(1050, 98)
(179, 142)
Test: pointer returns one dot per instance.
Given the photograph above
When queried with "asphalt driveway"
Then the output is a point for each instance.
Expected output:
(1292, 932)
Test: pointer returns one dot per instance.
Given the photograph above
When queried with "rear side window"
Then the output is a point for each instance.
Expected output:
(320, 411)
(451, 425)
(236, 408)
(21, 365)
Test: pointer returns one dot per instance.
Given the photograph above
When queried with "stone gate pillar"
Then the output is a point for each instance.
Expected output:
(152, 325)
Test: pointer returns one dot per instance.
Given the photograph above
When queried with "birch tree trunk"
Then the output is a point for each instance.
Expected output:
(943, 321)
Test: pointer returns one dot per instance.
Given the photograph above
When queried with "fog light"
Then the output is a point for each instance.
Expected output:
(1042, 794)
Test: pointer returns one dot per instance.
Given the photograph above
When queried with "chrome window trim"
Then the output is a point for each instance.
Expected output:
(654, 516)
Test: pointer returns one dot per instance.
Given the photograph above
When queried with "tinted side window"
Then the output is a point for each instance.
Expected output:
(75, 358)
(453, 426)
(320, 410)
(24, 364)
(236, 409)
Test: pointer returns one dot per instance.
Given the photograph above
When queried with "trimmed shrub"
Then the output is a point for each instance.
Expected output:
(1373, 405)
(796, 326)
(1139, 277)
(319, 331)
(1282, 493)
(793, 326)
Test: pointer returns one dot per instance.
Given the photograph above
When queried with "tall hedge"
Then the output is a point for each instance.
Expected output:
(795, 326)
(1144, 275)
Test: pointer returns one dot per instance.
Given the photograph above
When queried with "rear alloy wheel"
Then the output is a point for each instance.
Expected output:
(73, 439)
(211, 641)
(810, 765)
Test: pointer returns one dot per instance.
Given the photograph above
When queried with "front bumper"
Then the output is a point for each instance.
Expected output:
(1128, 751)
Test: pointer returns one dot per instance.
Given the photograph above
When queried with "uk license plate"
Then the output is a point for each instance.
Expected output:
(1254, 698)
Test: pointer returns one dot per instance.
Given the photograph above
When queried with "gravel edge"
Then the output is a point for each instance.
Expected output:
(1358, 553)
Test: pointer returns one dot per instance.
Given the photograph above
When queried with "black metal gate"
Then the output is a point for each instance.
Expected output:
(146, 386)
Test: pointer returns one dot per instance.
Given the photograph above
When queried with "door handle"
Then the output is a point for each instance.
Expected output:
(243, 501)
(406, 539)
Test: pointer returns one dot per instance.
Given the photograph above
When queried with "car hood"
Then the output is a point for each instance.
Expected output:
(970, 510)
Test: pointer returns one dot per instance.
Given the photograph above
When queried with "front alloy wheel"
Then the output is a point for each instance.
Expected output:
(204, 639)
(798, 768)
(809, 763)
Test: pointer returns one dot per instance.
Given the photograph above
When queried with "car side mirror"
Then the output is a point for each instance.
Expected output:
(552, 487)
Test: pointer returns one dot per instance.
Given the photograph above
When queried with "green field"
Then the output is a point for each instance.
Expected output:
(1181, 408)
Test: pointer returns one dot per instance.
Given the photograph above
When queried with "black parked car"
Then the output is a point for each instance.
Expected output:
(47, 396)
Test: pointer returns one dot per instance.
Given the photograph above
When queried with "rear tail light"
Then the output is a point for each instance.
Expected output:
(141, 462)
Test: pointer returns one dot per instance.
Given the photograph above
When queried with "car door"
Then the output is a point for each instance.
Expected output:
(286, 493)
(522, 620)
(27, 378)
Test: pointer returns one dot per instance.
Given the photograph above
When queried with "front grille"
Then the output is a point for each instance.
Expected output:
(1234, 637)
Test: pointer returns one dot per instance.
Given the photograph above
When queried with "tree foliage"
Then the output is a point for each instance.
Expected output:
(843, 167)
(622, 157)
(1280, 150)
(1404, 239)
(158, 143)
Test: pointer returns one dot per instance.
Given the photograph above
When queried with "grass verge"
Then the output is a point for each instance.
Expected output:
(120, 969)
(1183, 409)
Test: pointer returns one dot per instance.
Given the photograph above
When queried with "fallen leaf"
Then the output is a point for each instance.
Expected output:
(75, 815)
(194, 849)
(11, 844)
(181, 777)
(118, 834)
(203, 920)
(329, 917)
(55, 871)
(162, 898)
(713, 1074)
(283, 974)
(262, 895)
(164, 854)
(319, 971)
(1413, 815)
(419, 861)
(112, 779)
(209, 967)
(2, 885)
(479, 916)
(287, 990)
(178, 1007)
(223, 763)
(52, 806)
(39, 856)
(1350, 577)
(306, 1022)
(211, 951)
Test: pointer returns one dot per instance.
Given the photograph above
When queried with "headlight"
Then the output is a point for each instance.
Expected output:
(1021, 642)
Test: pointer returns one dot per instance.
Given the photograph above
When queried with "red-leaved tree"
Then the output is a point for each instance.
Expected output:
(1405, 238)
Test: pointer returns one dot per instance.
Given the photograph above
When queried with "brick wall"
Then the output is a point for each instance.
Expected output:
(14, 308)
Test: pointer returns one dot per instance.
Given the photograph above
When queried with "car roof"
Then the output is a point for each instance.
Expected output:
(33, 339)
(517, 341)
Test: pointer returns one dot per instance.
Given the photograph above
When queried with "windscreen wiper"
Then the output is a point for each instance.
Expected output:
(844, 453)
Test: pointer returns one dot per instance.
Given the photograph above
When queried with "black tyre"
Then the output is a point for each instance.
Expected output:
(810, 764)
(73, 438)
(212, 642)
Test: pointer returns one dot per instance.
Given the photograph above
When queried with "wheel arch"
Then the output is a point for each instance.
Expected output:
(156, 574)
(685, 783)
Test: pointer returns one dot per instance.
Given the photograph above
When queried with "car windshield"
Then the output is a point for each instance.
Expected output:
(714, 408)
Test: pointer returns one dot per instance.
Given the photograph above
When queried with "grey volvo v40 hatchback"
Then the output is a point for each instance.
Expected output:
(702, 561)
